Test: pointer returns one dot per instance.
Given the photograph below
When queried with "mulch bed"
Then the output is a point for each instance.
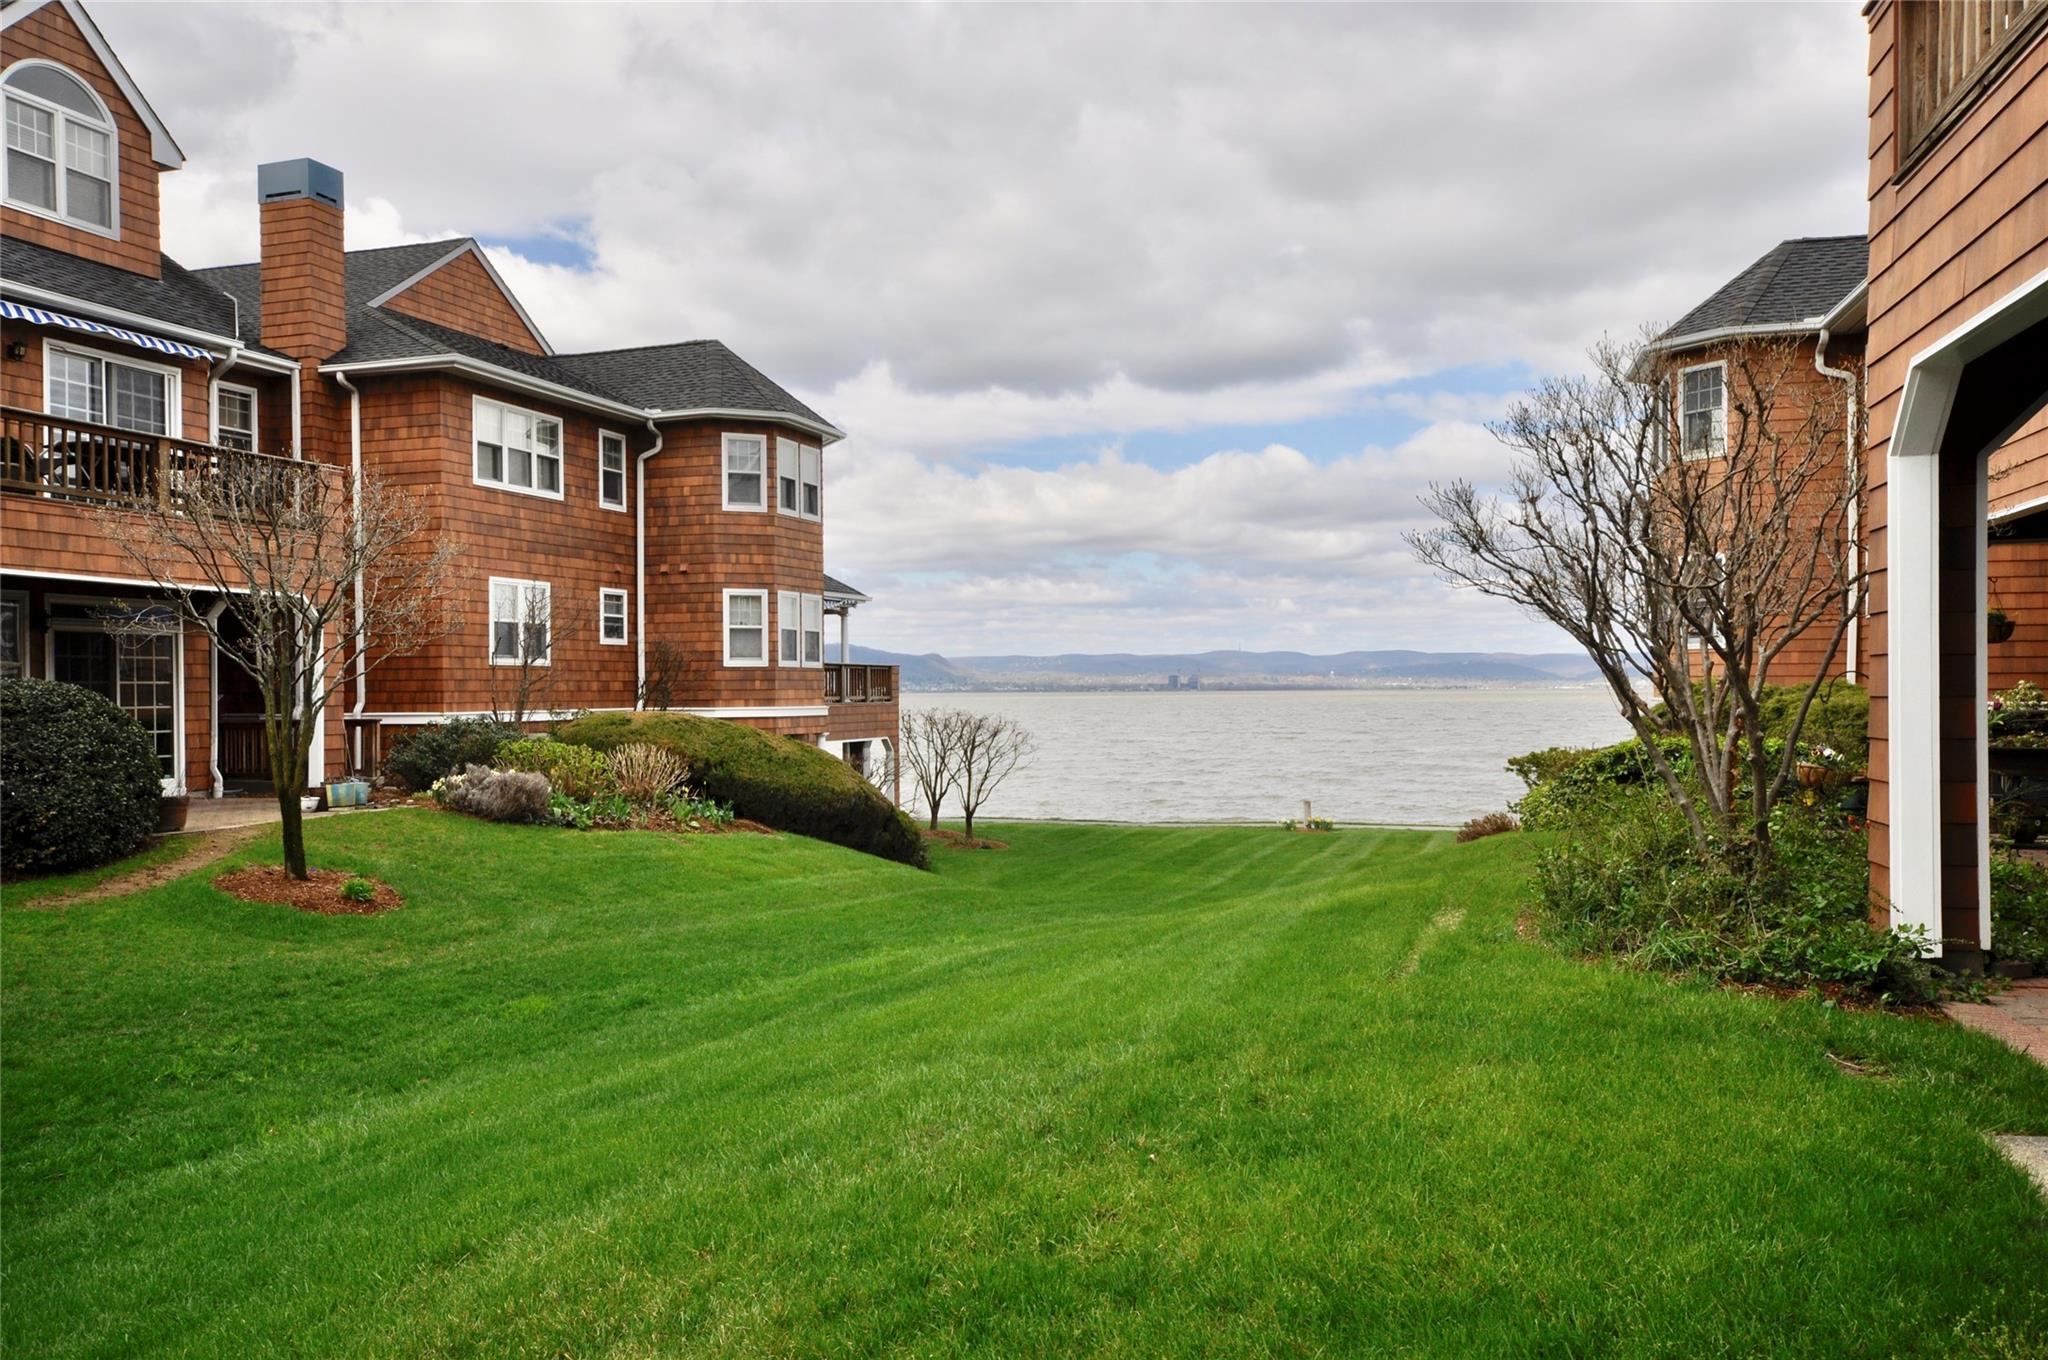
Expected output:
(960, 840)
(269, 885)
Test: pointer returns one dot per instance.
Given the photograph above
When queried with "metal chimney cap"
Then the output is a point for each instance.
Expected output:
(302, 178)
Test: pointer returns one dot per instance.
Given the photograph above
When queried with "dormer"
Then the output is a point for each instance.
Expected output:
(83, 147)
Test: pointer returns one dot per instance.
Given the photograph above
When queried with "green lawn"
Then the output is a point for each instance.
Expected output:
(1113, 1091)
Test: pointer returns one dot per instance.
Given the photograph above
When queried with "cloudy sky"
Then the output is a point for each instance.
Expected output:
(1147, 325)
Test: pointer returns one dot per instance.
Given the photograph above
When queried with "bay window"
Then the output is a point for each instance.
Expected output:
(1703, 411)
(517, 450)
(746, 472)
(746, 627)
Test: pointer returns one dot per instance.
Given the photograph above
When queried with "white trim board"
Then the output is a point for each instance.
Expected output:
(1912, 536)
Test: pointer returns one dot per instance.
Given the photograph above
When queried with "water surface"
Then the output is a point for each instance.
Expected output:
(1426, 757)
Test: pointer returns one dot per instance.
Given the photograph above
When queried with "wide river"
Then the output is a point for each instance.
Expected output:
(1410, 757)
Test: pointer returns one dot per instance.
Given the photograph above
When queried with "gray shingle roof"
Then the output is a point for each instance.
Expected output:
(180, 298)
(692, 375)
(1795, 283)
(835, 586)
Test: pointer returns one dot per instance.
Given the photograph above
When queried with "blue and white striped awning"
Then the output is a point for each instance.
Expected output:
(37, 316)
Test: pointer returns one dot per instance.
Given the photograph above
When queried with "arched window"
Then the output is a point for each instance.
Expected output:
(61, 155)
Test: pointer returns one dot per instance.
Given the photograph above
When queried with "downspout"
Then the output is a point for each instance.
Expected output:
(1852, 438)
(640, 566)
(213, 689)
(297, 451)
(355, 467)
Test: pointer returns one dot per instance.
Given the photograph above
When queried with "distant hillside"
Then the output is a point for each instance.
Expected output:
(1232, 669)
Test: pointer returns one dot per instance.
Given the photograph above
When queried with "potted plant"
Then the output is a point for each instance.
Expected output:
(172, 810)
(1997, 627)
(1824, 767)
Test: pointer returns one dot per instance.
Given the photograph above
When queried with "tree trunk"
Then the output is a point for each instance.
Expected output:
(934, 822)
(967, 819)
(294, 825)
(288, 778)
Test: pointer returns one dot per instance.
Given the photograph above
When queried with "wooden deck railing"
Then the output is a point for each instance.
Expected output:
(860, 684)
(74, 460)
(1948, 53)
(244, 747)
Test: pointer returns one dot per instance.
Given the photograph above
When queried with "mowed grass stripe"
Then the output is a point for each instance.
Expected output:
(1114, 1090)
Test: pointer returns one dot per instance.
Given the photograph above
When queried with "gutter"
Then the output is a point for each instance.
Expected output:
(640, 566)
(132, 320)
(503, 377)
(1852, 437)
(213, 687)
(355, 473)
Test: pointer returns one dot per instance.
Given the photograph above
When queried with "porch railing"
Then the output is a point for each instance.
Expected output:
(1947, 55)
(855, 684)
(74, 460)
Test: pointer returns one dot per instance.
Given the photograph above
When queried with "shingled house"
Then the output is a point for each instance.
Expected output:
(660, 506)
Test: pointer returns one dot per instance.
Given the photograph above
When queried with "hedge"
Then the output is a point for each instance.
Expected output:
(425, 754)
(79, 779)
(775, 780)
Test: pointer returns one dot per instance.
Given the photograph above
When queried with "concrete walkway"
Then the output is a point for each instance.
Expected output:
(222, 814)
(2018, 1016)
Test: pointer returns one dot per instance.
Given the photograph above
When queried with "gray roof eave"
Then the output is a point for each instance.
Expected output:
(831, 434)
(503, 377)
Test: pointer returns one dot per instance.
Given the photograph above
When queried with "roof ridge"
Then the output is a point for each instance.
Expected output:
(451, 241)
(641, 349)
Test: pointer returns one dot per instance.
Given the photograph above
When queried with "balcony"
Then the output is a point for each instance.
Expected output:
(73, 460)
(855, 684)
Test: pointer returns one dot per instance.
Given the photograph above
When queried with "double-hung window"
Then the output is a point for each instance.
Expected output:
(611, 617)
(1703, 411)
(789, 624)
(814, 630)
(611, 470)
(746, 472)
(517, 449)
(799, 479)
(746, 627)
(521, 615)
(60, 148)
(81, 385)
(812, 462)
(234, 416)
(788, 461)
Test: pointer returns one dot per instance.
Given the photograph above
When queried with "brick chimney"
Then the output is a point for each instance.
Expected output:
(304, 308)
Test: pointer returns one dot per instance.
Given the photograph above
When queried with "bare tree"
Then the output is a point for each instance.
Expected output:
(930, 741)
(299, 584)
(990, 749)
(1685, 551)
(665, 663)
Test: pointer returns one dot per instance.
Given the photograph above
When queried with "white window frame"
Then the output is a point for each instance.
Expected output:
(255, 410)
(813, 629)
(788, 473)
(789, 629)
(174, 782)
(810, 477)
(60, 116)
(605, 596)
(477, 403)
(725, 473)
(725, 644)
(174, 390)
(1720, 440)
(625, 487)
(523, 587)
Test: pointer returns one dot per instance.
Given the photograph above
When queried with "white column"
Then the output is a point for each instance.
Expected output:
(845, 648)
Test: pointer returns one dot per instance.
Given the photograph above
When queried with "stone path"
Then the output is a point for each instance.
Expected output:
(2018, 1016)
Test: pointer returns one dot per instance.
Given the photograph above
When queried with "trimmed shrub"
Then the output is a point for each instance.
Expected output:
(576, 771)
(1575, 782)
(79, 779)
(1490, 824)
(497, 795)
(426, 754)
(778, 781)
(2019, 910)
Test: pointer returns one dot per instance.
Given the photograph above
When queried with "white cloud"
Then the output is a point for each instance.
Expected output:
(955, 228)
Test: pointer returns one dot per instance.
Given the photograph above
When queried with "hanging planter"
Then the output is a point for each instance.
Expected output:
(1997, 627)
